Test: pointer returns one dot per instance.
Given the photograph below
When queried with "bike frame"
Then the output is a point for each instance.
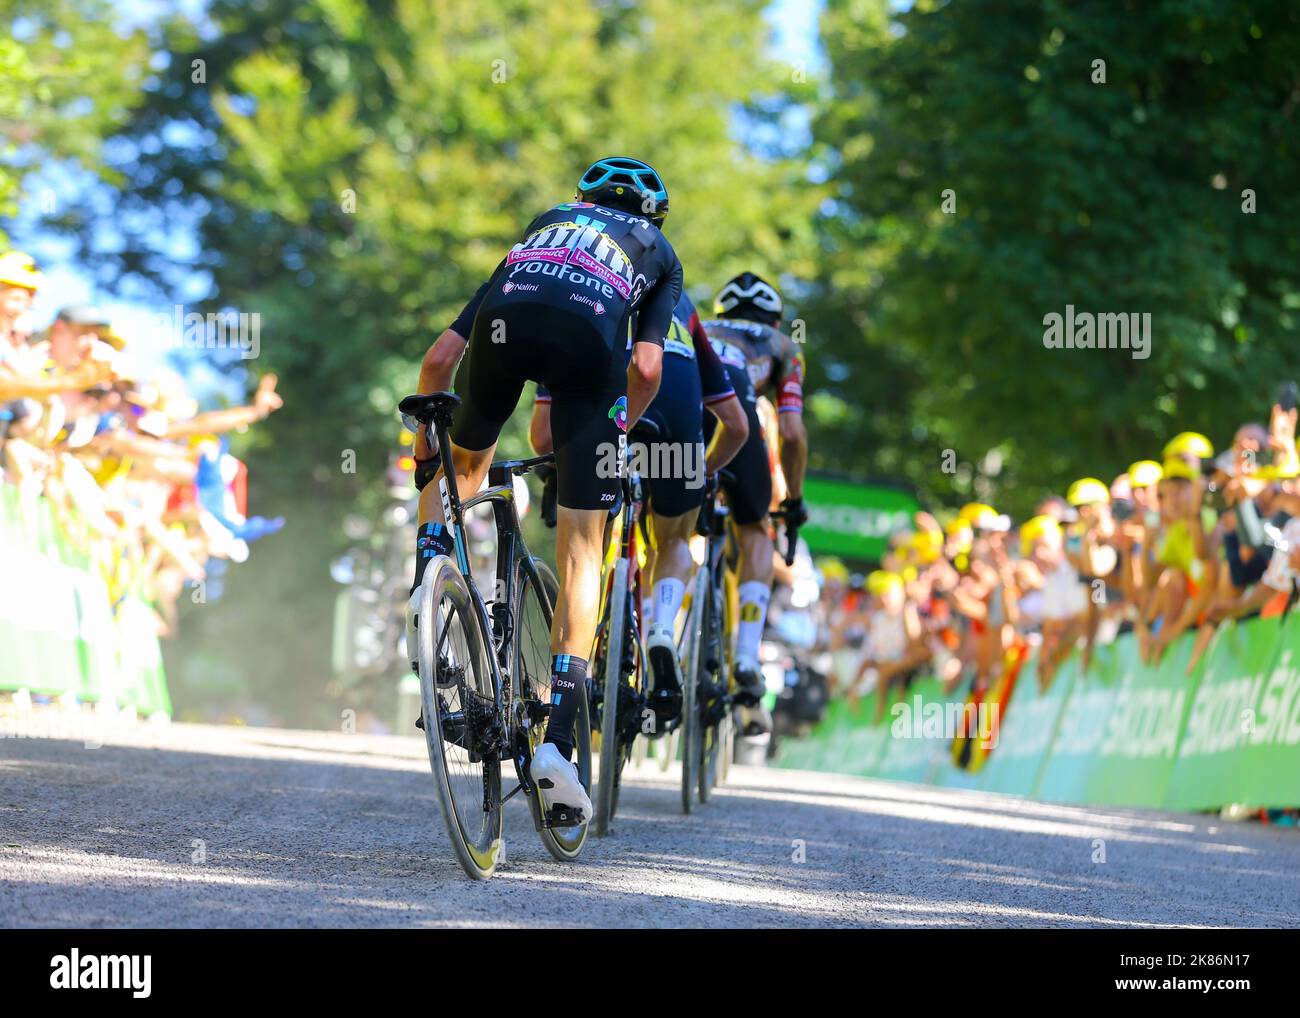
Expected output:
(512, 553)
(629, 548)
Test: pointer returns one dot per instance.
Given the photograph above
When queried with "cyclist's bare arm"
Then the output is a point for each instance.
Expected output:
(733, 430)
(644, 372)
(794, 451)
(437, 369)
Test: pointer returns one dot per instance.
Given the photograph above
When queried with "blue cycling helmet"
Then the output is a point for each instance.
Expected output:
(625, 184)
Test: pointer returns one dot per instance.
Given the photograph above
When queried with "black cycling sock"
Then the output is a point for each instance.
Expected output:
(431, 539)
(568, 674)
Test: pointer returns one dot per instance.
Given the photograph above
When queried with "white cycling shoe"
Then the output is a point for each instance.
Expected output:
(666, 700)
(557, 781)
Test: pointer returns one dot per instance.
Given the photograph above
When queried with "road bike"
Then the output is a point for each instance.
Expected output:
(710, 729)
(706, 747)
(485, 668)
(620, 670)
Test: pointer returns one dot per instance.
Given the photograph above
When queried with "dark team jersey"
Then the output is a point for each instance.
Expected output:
(687, 339)
(772, 359)
(593, 261)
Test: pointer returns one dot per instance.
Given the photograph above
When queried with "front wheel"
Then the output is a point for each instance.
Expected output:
(535, 594)
(694, 731)
(460, 718)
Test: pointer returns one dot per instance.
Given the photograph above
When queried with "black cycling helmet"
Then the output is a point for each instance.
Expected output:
(751, 297)
(625, 184)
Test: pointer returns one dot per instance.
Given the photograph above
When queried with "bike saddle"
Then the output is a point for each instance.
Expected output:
(426, 408)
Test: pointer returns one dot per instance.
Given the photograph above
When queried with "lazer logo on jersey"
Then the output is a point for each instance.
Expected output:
(583, 246)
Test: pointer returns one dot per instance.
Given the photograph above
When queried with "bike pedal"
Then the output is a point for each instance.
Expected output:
(563, 816)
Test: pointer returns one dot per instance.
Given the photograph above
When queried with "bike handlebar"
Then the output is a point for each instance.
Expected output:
(791, 533)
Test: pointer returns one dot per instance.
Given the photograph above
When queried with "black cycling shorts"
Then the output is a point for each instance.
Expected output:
(750, 494)
(565, 351)
(672, 466)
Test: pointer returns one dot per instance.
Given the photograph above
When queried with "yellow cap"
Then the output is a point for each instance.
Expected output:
(831, 568)
(1144, 473)
(976, 512)
(19, 269)
(1036, 529)
(1177, 467)
(1189, 443)
(880, 581)
(1087, 491)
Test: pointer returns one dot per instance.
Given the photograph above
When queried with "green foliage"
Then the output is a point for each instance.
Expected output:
(1123, 196)
(66, 80)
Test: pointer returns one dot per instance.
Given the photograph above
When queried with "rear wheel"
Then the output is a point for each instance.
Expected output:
(610, 674)
(461, 725)
(714, 687)
(531, 674)
(694, 731)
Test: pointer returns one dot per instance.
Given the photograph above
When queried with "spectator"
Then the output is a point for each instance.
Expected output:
(138, 477)
(894, 646)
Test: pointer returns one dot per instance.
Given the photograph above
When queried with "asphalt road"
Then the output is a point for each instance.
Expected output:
(227, 827)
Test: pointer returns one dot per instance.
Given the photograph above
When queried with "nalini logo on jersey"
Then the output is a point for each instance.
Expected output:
(582, 246)
(595, 305)
(511, 286)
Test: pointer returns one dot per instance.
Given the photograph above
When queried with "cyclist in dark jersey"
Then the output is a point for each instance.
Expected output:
(694, 378)
(747, 339)
(674, 465)
(556, 310)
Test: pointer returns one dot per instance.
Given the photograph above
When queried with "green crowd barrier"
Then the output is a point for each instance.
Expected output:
(1138, 748)
(920, 714)
(1027, 728)
(59, 633)
(1241, 742)
(1116, 733)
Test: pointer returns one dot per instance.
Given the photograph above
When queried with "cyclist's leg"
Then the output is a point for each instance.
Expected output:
(748, 497)
(586, 380)
(676, 491)
(673, 563)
